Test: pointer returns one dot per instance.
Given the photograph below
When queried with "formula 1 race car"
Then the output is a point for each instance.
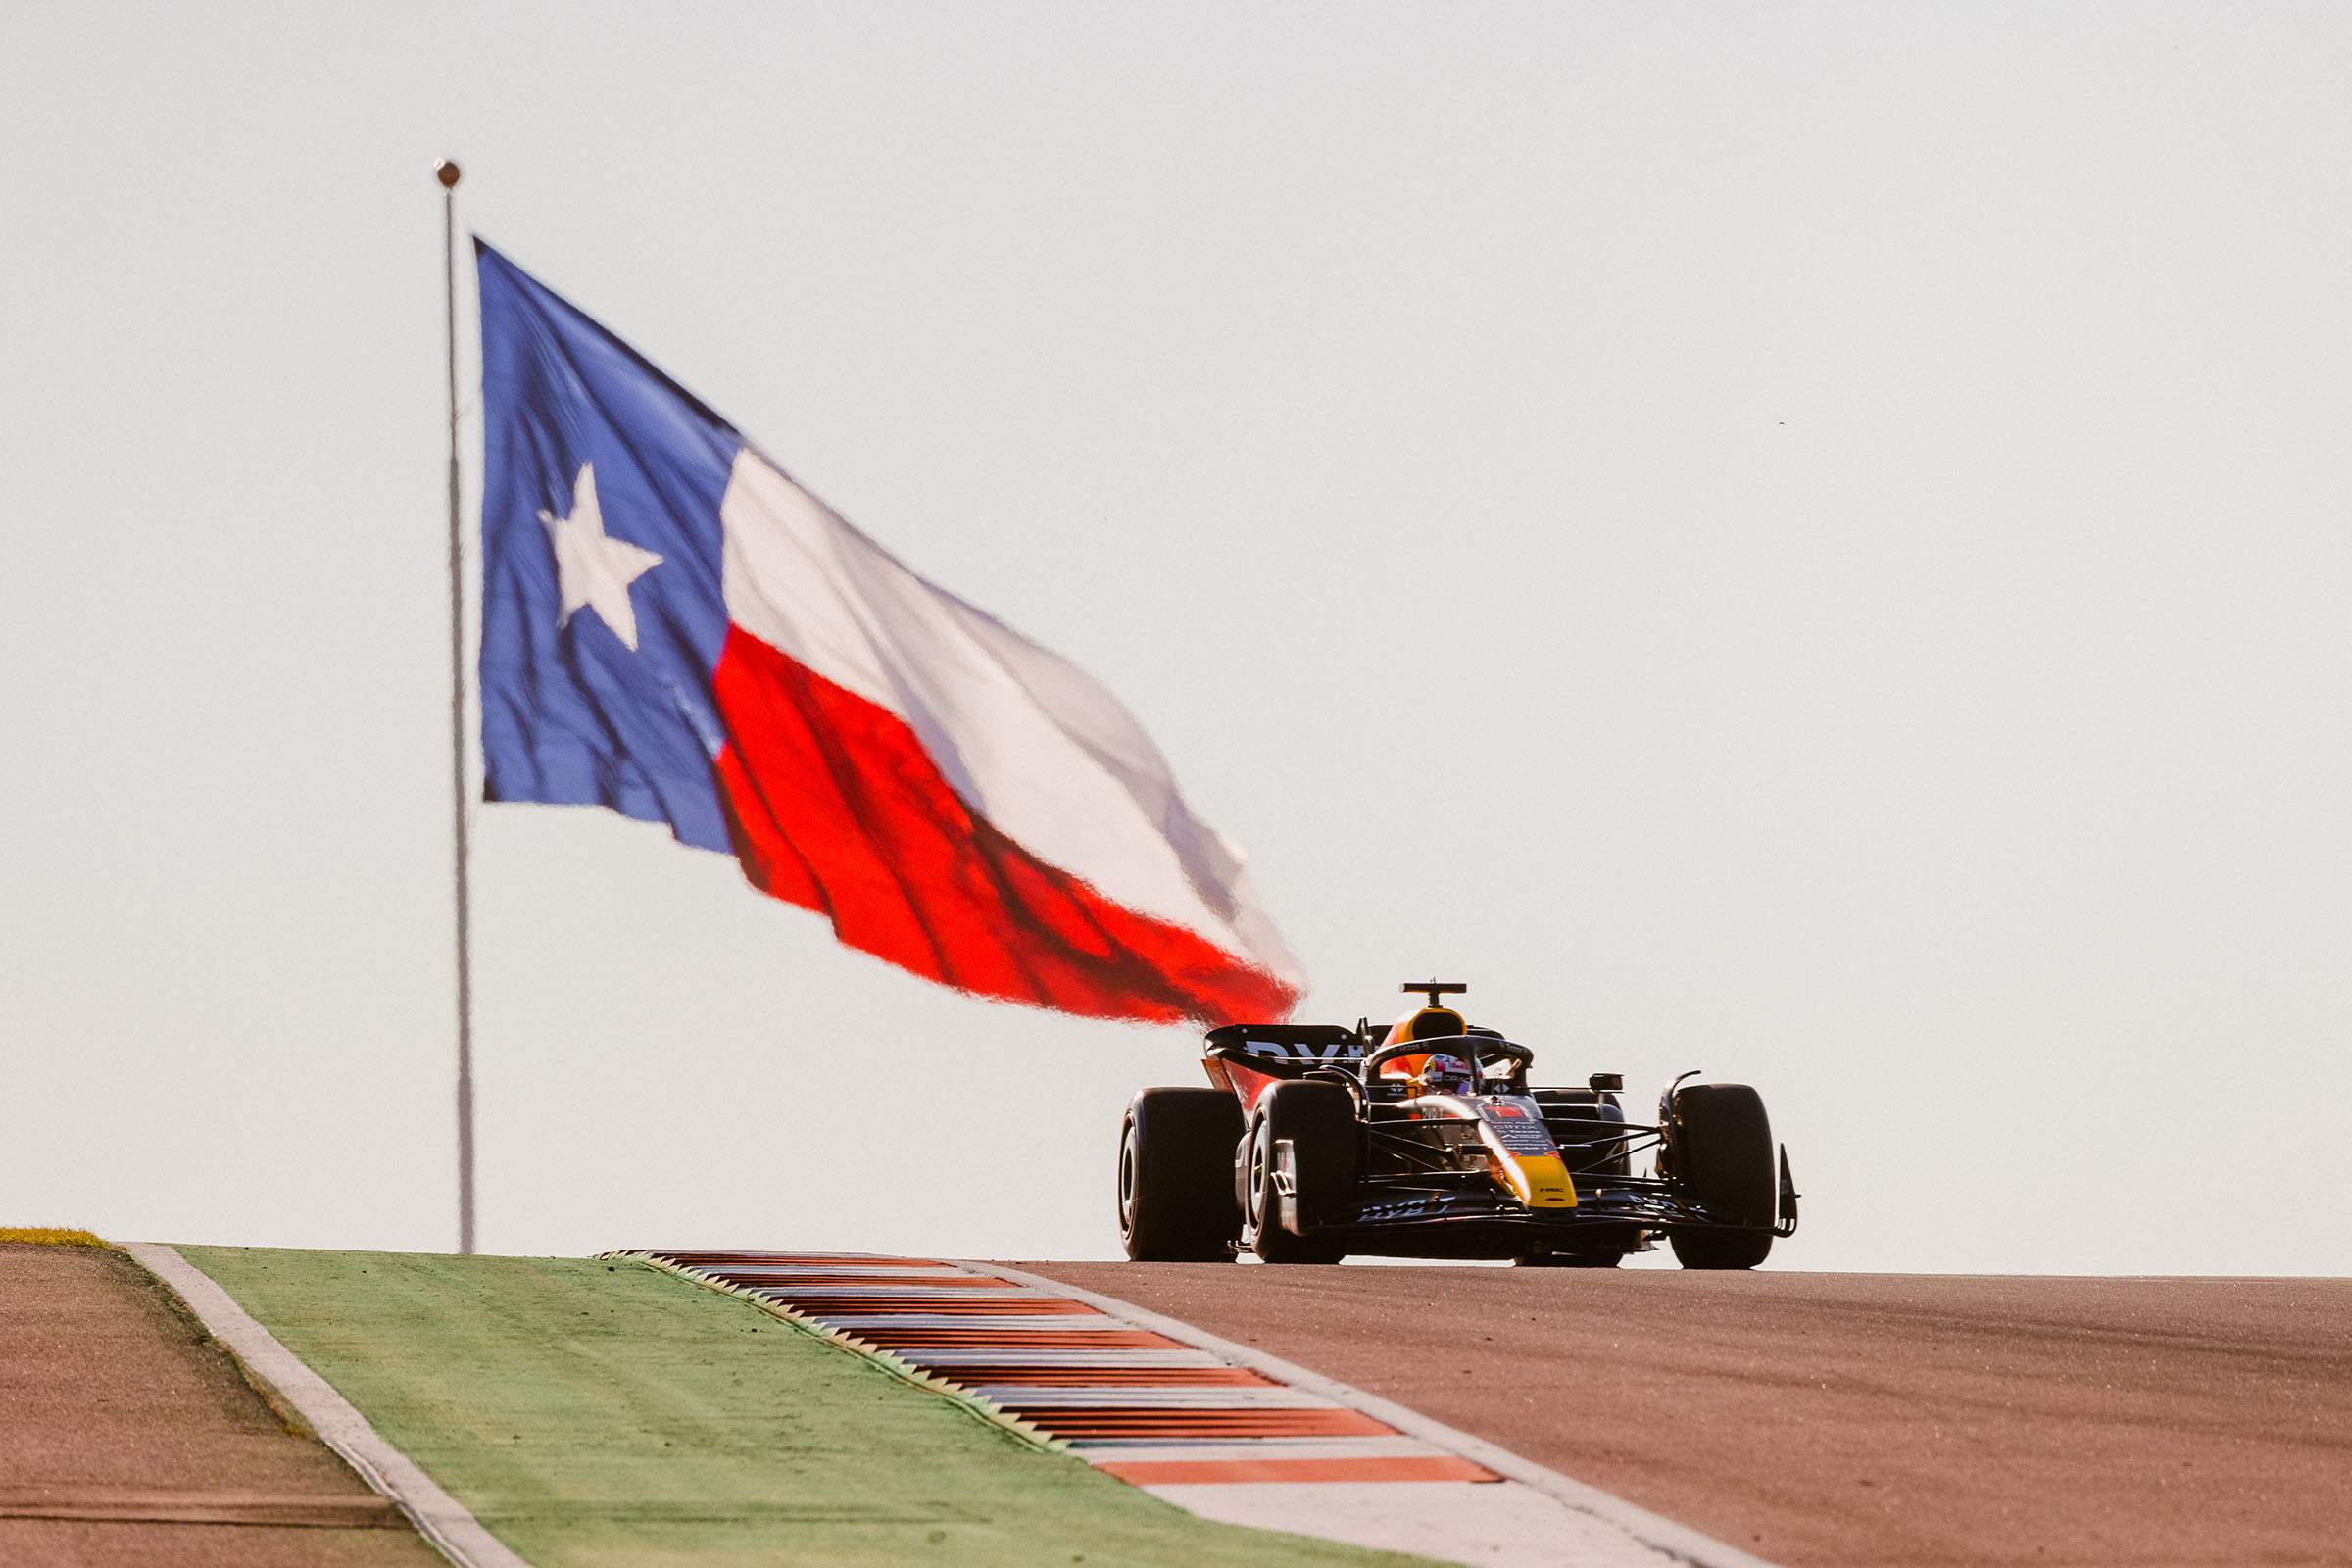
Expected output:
(1320, 1140)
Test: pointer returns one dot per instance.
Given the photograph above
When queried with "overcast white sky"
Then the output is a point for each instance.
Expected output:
(1807, 542)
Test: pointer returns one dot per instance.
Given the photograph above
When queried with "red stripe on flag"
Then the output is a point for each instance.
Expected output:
(835, 806)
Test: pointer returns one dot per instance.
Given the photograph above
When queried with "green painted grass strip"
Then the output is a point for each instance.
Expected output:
(601, 1415)
(970, 1403)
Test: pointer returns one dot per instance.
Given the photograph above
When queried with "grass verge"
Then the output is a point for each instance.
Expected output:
(607, 1415)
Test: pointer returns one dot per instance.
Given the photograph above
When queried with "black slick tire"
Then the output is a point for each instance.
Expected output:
(1319, 1121)
(1722, 1149)
(1176, 1176)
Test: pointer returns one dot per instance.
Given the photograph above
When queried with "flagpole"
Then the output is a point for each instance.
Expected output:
(449, 173)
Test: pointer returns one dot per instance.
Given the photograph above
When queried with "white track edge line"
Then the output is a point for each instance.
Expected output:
(1678, 1541)
(439, 1517)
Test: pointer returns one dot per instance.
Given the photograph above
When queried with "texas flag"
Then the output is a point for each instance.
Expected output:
(674, 629)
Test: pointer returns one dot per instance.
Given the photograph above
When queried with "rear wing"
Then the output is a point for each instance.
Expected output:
(1281, 1050)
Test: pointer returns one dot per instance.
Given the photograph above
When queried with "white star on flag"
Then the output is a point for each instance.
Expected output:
(593, 569)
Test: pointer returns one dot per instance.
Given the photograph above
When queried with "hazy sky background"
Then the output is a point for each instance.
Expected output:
(1806, 542)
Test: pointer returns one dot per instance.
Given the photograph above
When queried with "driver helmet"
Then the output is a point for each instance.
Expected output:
(1443, 1073)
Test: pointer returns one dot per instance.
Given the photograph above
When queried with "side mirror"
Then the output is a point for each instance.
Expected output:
(1606, 1083)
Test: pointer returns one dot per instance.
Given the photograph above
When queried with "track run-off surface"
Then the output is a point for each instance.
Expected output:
(1221, 1431)
(600, 1414)
(1844, 1419)
(128, 1439)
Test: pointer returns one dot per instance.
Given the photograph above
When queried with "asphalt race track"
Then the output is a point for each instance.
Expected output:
(1856, 1419)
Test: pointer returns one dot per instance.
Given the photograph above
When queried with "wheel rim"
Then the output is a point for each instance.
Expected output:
(1127, 1182)
(1258, 1182)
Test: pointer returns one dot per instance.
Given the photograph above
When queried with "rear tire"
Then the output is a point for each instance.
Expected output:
(1176, 1176)
(1319, 1121)
(1722, 1153)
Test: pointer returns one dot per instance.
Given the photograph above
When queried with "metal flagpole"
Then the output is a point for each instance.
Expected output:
(449, 173)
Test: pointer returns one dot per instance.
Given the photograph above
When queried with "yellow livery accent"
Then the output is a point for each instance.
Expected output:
(1540, 1181)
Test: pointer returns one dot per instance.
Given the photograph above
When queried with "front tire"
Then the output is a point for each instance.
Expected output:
(1722, 1152)
(1175, 1176)
(1319, 1121)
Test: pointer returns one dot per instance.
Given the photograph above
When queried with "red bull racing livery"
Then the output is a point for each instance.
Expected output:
(1427, 1139)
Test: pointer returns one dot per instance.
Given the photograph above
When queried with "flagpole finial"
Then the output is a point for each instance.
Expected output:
(448, 173)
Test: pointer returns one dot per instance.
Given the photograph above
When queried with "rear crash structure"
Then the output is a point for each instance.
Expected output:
(1427, 1139)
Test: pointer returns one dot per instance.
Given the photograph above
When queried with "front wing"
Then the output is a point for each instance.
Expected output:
(1618, 1212)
